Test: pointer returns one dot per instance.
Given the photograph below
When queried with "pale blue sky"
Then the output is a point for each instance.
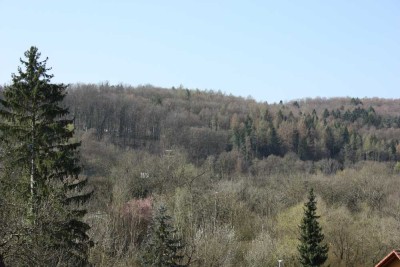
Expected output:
(271, 50)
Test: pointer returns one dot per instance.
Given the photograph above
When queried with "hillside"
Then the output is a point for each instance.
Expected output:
(207, 123)
(234, 173)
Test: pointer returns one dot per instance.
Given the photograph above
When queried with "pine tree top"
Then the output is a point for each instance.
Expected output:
(312, 251)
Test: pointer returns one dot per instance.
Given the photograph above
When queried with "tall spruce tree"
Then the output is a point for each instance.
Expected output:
(40, 165)
(313, 252)
(163, 248)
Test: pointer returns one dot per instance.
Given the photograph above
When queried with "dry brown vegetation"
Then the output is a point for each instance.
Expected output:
(234, 173)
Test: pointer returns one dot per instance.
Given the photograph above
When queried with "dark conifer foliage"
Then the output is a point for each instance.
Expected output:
(313, 252)
(41, 167)
(163, 248)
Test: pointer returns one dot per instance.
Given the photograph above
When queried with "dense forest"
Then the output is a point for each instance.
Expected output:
(234, 173)
(204, 124)
(223, 180)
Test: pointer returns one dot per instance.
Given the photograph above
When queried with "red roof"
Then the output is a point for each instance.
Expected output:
(392, 256)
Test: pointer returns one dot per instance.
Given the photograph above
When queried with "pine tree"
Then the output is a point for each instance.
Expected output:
(41, 166)
(163, 247)
(304, 149)
(330, 141)
(274, 143)
(313, 252)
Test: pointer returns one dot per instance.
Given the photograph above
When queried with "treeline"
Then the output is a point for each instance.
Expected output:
(207, 123)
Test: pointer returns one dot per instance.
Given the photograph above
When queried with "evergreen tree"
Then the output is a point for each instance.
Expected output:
(262, 139)
(304, 149)
(163, 248)
(295, 140)
(325, 114)
(330, 142)
(274, 143)
(313, 252)
(41, 167)
(345, 135)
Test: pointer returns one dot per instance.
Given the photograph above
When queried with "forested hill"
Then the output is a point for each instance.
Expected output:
(209, 123)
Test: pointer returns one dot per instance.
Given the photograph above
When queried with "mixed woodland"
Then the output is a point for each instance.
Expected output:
(234, 173)
(218, 180)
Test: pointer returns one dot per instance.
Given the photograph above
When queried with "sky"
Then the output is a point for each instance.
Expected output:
(270, 50)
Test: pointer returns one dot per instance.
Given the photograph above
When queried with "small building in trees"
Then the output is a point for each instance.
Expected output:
(391, 260)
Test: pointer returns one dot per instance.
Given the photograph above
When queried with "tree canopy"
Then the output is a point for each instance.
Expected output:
(41, 167)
